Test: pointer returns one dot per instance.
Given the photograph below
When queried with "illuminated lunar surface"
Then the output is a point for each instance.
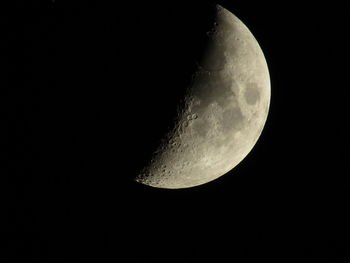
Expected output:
(224, 112)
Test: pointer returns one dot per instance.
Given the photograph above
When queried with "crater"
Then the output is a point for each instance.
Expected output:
(252, 94)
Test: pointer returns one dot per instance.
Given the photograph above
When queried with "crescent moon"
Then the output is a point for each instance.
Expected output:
(224, 111)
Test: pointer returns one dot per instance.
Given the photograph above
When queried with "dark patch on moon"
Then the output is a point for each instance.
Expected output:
(211, 88)
(201, 127)
(251, 93)
(232, 119)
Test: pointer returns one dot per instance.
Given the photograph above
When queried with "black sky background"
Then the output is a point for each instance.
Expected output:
(86, 92)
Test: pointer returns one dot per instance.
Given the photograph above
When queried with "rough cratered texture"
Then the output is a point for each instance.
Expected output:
(224, 113)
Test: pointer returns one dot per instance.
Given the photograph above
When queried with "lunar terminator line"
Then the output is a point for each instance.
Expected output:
(225, 111)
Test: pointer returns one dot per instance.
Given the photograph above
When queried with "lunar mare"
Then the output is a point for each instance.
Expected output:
(224, 111)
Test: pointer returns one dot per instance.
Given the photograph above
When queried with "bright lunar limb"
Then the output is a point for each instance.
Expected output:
(225, 110)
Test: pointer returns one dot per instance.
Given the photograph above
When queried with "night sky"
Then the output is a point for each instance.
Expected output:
(87, 91)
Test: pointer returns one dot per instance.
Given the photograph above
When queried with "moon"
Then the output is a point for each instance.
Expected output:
(223, 114)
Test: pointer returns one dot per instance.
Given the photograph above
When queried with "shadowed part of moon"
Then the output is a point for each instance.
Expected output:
(215, 59)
